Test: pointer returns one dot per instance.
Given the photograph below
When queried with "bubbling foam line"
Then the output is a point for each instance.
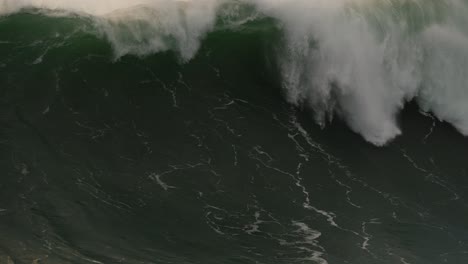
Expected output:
(359, 59)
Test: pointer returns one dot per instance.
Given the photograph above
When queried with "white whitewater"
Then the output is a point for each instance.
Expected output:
(360, 59)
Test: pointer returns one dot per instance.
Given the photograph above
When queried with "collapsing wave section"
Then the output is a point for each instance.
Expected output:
(359, 59)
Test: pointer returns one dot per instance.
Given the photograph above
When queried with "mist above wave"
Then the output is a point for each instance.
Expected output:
(359, 59)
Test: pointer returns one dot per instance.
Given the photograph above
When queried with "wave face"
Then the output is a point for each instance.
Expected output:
(188, 132)
(360, 59)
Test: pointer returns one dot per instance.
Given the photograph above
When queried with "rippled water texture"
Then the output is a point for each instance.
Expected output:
(261, 131)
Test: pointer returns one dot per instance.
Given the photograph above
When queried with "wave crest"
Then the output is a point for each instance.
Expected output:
(359, 59)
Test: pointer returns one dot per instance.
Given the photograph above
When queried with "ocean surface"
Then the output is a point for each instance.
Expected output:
(249, 131)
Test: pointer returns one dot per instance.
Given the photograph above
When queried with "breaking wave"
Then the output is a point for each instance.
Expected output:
(361, 60)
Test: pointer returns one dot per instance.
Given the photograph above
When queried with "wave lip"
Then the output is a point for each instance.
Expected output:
(152, 28)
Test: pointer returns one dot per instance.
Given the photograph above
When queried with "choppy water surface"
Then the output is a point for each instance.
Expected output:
(254, 131)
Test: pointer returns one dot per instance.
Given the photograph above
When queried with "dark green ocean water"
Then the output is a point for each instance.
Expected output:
(151, 160)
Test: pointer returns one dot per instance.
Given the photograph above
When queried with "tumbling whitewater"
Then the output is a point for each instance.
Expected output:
(359, 59)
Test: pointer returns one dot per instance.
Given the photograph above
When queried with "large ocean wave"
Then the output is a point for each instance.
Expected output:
(361, 60)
